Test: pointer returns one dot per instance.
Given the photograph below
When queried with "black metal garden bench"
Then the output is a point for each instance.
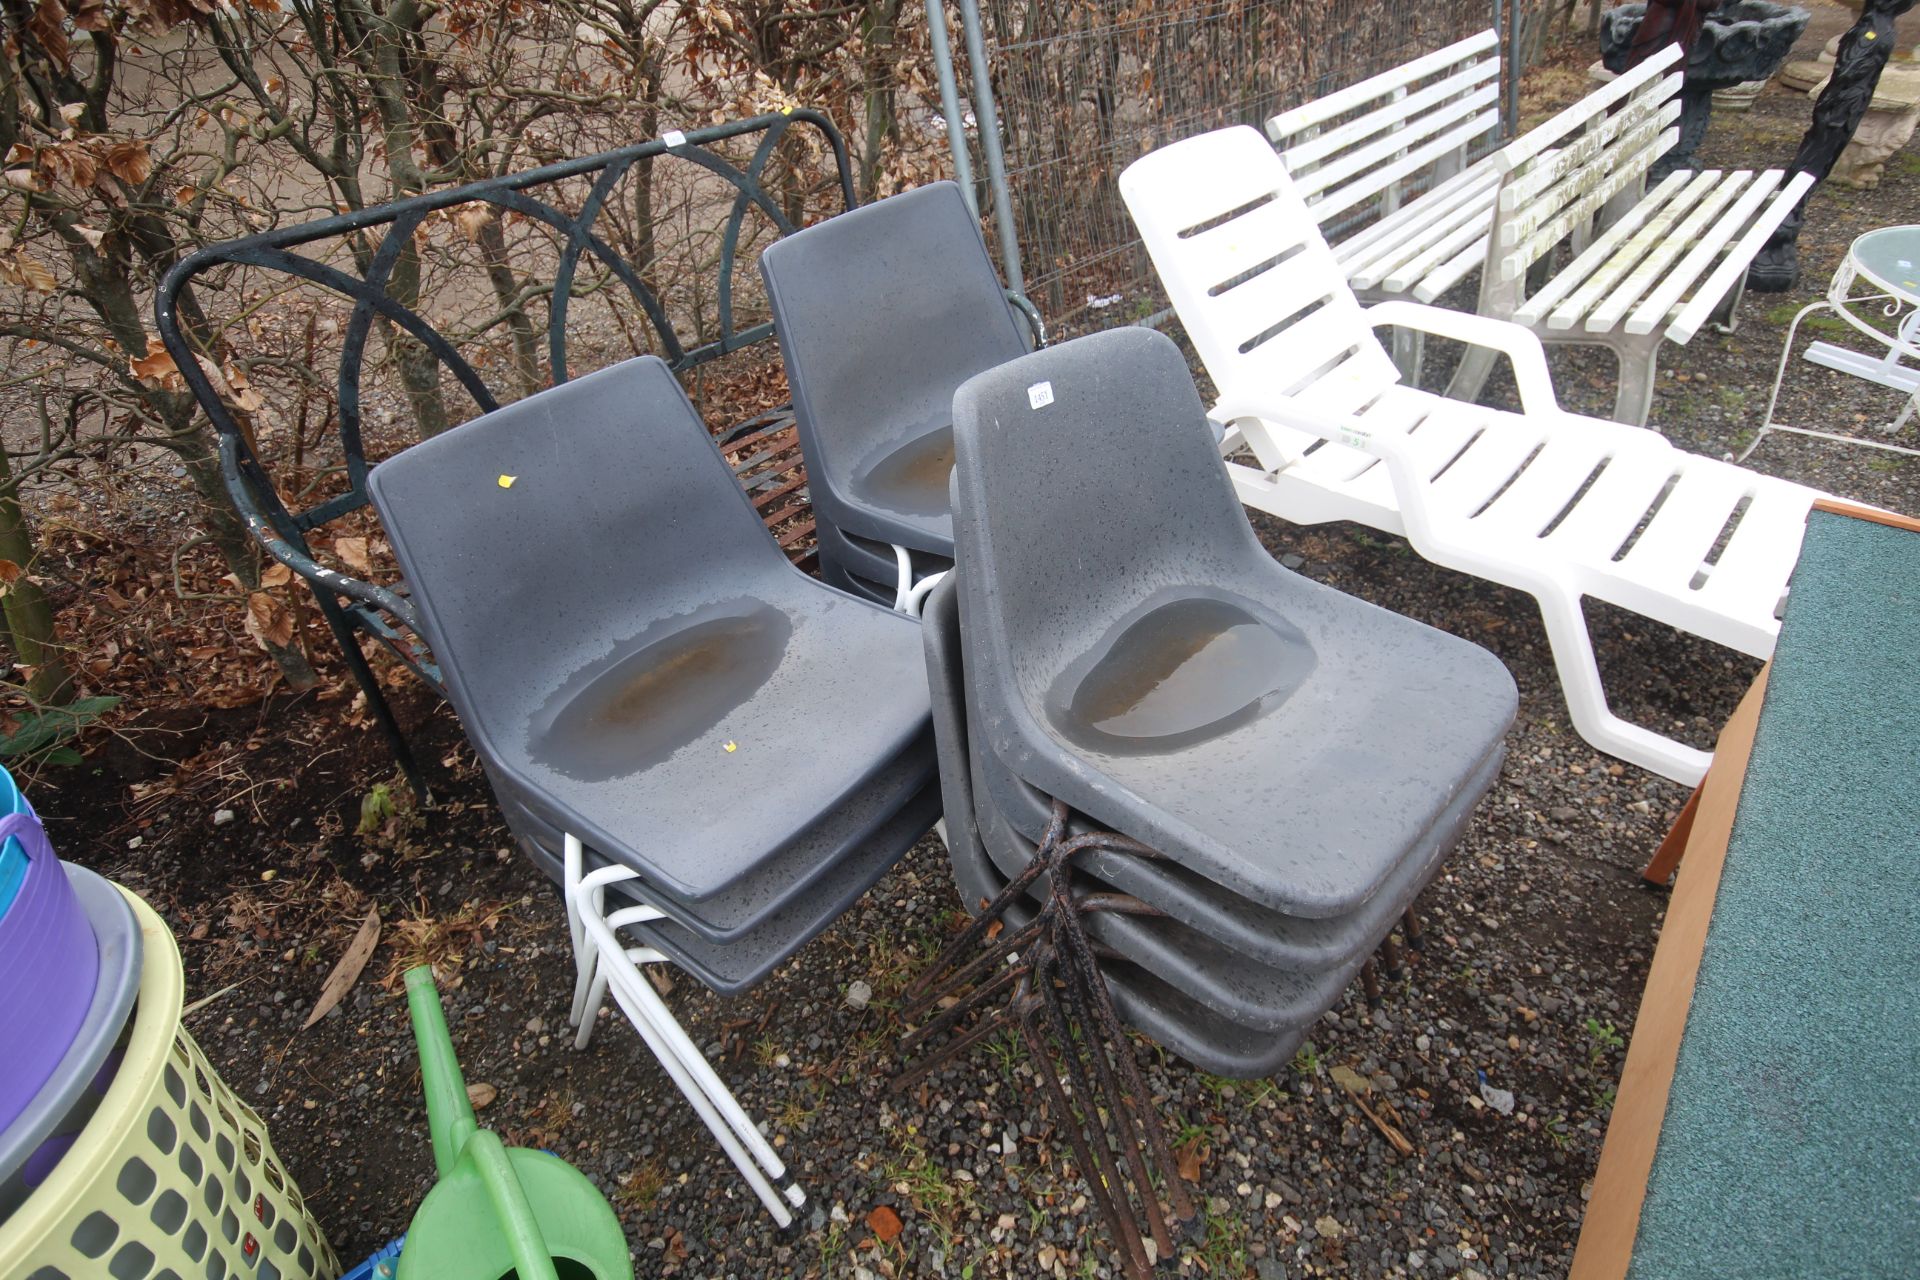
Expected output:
(581, 240)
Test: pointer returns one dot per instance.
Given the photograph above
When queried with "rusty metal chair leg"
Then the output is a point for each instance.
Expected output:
(1390, 958)
(1415, 931)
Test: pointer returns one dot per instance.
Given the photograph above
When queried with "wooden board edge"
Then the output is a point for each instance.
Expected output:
(1605, 1247)
(1841, 507)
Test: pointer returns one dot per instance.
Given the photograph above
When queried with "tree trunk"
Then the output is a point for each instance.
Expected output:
(29, 613)
(106, 283)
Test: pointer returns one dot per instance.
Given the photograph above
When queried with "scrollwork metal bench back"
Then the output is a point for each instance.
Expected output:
(382, 237)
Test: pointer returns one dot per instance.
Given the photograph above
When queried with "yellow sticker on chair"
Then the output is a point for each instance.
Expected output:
(506, 482)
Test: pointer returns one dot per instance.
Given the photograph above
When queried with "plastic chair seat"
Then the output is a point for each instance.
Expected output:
(624, 641)
(794, 871)
(890, 828)
(777, 674)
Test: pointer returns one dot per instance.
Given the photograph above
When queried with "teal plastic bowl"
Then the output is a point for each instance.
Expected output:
(13, 859)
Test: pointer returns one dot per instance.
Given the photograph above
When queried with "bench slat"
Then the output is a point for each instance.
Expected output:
(1712, 242)
(1471, 233)
(1367, 166)
(1665, 251)
(1551, 178)
(1590, 274)
(1474, 186)
(1336, 201)
(1393, 115)
(1738, 259)
(1344, 100)
(1513, 265)
(1549, 132)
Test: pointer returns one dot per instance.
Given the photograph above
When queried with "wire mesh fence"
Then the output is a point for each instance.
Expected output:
(1085, 87)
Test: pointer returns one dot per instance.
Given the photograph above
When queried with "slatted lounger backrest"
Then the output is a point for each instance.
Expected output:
(1249, 273)
(1559, 174)
(1362, 151)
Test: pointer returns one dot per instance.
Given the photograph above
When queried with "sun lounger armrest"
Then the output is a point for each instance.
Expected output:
(1515, 341)
(1252, 411)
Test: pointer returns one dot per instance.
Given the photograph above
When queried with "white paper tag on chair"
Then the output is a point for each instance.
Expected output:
(1040, 395)
(674, 138)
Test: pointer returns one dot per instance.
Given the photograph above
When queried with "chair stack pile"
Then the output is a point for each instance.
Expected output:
(671, 715)
(1116, 638)
(882, 312)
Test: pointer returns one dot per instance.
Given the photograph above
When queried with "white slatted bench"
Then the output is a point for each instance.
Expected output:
(1657, 270)
(1385, 166)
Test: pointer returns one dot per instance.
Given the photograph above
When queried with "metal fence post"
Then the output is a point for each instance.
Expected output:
(950, 101)
(989, 123)
(1514, 69)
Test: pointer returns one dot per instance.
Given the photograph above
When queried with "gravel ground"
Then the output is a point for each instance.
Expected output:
(1540, 936)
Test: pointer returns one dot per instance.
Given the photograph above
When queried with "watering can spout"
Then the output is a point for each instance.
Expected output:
(449, 1112)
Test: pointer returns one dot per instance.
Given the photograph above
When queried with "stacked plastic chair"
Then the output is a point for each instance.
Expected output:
(1115, 637)
(881, 313)
(650, 685)
(122, 1152)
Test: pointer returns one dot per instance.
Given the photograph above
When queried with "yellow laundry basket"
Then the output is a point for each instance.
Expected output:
(173, 1178)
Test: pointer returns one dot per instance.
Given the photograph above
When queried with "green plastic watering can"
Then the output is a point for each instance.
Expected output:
(497, 1211)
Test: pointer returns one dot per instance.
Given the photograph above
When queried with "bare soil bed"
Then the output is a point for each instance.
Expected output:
(1539, 939)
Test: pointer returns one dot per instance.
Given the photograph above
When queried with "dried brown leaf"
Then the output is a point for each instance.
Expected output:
(156, 367)
(472, 220)
(244, 397)
(347, 972)
(269, 621)
(1190, 1158)
(480, 1093)
(129, 162)
(353, 553)
(48, 26)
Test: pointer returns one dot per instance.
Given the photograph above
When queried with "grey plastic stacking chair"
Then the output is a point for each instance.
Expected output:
(646, 680)
(881, 312)
(661, 651)
(1141, 656)
(1186, 1027)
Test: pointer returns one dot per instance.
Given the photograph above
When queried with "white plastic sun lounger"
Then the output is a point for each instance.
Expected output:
(1553, 503)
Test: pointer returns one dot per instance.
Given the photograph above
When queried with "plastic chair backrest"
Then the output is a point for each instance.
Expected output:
(1072, 511)
(881, 313)
(1249, 273)
(538, 537)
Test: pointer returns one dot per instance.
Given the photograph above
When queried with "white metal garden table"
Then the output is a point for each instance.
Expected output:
(1877, 291)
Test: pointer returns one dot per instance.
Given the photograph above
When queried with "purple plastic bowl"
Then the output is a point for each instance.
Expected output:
(49, 965)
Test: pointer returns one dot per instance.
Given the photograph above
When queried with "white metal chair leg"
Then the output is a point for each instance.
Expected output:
(903, 584)
(581, 1014)
(604, 965)
(917, 598)
(702, 1104)
(908, 595)
(1779, 375)
(682, 1059)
